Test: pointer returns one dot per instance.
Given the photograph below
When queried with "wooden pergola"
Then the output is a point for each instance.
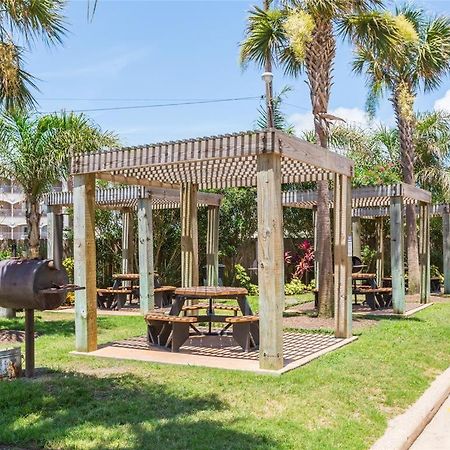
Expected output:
(126, 200)
(265, 159)
(377, 202)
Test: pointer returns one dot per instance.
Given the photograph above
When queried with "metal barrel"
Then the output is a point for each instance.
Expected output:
(23, 280)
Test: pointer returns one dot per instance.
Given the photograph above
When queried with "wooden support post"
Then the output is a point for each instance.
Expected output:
(424, 253)
(84, 262)
(446, 247)
(316, 259)
(189, 235)
(29, 343)
(397, 255)
(55, 228)
(212, 247)
(146, 270)
(379, 228)
(127, 241)
(270, 261)
(343, 250)
(356, 236)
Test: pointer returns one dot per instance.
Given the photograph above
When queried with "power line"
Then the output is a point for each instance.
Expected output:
(118, 99)
(161, 105)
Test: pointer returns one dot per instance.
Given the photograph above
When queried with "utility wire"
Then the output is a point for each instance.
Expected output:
(160, 105)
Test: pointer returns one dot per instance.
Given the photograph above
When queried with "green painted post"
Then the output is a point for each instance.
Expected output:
(356, 236)
(146, 270)
(397, 255)
(212, 247)
(446, 247)
(424, 245)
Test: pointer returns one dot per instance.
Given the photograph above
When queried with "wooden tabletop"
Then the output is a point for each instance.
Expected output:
(363, 276)
(127, 276)
(210, 291)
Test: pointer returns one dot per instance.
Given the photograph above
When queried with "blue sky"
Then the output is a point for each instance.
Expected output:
(155, 52)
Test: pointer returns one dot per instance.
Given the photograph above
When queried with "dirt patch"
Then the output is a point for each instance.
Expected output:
(305, 316)
(12, 336)
(315, 323)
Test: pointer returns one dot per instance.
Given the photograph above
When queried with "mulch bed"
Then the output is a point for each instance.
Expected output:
(13, 336)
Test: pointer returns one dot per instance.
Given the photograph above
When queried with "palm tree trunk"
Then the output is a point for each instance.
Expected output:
(319, 67)
(405, 124)
(33, 217)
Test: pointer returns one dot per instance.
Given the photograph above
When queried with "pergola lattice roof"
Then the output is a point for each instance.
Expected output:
(373, 198)
(213, 162)
(127, 197)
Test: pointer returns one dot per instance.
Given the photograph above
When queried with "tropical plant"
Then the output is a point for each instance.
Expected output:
(418, 62)
(25, 22)
(279, 118)
(302, 260)
(35, 152)
(302, 36)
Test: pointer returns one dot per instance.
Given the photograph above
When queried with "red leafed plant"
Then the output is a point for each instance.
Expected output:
(302, 260)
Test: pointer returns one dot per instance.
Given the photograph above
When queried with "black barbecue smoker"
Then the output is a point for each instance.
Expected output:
(31, 284)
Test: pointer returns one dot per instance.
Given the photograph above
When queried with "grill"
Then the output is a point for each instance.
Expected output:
(31, 284)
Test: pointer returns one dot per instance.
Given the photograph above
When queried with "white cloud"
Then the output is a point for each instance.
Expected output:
(352, 116)
(443, 104)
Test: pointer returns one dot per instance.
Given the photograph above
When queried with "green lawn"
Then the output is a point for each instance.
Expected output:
(340, 401)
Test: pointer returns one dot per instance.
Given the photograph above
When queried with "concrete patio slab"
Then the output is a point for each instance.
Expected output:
(221, 352)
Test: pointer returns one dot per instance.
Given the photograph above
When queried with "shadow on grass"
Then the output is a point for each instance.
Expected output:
(45, 327)
(71, 410)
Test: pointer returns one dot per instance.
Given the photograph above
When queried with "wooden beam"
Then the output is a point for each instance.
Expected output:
(446, 247)
(127, 241)
(189, 235)
(424, 251)
(415, 193)
(379, 230)
(343, 250)
(84, 263)
(314, 155)
(116, 178)
(146, 269)
(356, 236)
(397, 255)
(270, 261)
(212, 247)
(55, 228)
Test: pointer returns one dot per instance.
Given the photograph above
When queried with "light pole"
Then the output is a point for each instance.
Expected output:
(268, 78)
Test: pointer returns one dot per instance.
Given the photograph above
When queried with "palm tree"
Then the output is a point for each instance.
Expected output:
(302, 36)
(25, 21)
(35, 152)
(423, 59)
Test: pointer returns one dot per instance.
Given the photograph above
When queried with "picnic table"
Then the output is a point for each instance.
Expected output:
(172, 330)
(211, 293)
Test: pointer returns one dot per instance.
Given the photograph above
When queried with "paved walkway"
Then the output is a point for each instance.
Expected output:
(436, 436)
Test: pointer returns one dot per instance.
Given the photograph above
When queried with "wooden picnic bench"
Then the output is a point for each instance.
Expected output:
(376, 298)
(168, 331)
(245, 331)
(109, 298)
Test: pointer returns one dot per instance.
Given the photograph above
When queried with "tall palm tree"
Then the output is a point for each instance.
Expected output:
(25, 21)
(423, 59)
(302, 36)
(35, 152)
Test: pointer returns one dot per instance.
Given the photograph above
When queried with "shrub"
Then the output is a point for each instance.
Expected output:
(243, 279)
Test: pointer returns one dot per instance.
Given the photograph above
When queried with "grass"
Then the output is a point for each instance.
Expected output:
(340, 401)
